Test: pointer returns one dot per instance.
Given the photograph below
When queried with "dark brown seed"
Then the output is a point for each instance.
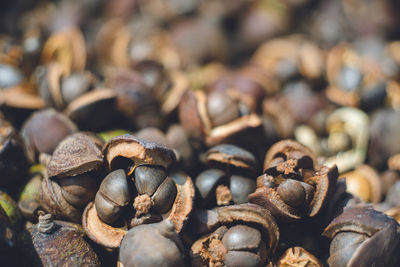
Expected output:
(241, 237)
(292, 192)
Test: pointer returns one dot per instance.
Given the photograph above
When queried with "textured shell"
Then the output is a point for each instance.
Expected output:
(374, 235)
(232, 155)
(100, 232)
(251, 213)
(52, 201)
(72, 249)
(75, 155)
(285, 146)
(138, 150)
(360, 219)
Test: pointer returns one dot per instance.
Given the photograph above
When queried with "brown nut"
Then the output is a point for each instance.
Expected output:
(221, 108)
(358, 233)
(152, 245)
(44, 130)
(292, 189)
(201, 122)
(134, 99)
(112, 196)
(176, 138)
(354, 79)
(76, 84)
(155, 193)
(365, 183)
(70, 182)
(48, 81)
(67, 48)
(245, 84)
(246, 235)
(69, 240)
(304, 58)
(111, 236)
(232, 181)
(289, 149)
(87, 109)
(298, 256)
(231, 156)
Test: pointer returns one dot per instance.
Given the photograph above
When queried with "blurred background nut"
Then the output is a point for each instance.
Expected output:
(365, 183)
(384, 129)
(44, 130)
(215, 117)
(176, 138)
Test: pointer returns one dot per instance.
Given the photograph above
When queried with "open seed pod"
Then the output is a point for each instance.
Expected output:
(44, 130)
(168, 87)
(71, 180)
(67, 48)
(155, 244)
(18, 102)
(134, 99)
(362, 236)
(242, 235)
(176, 138)
(13, 160)
(138, 190)
(94, 110)
(246, 84)
(298, 256)
(58, 88)
(365, 183)
(291, 187)
(68, 238)
(231, 180)
(215, 117)
(287, 57)
(354, 79)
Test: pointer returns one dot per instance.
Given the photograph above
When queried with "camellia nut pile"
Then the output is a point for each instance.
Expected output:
(200, 133)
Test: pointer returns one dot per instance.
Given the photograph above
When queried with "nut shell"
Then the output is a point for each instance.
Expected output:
(138, 150)
(75, 155)
(71, 247)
